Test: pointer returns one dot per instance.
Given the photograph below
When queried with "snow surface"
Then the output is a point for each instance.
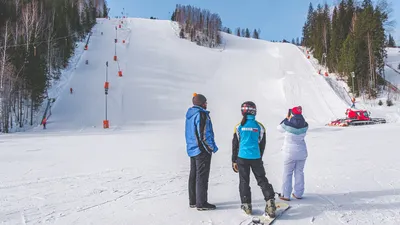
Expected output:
(136, 172)
(392, 72)
(393, 57)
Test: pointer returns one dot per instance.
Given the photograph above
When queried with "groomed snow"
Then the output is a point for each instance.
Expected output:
(393, 57)
(136, 172)
(392, 71)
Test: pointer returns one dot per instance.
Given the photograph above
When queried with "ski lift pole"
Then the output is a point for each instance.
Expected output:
(106, 88)
(116, 40)
(106, 122)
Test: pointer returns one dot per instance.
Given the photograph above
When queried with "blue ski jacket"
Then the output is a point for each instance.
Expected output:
(199, 132)
(248, 140)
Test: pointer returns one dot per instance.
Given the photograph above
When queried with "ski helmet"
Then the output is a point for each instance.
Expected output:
(249, 108)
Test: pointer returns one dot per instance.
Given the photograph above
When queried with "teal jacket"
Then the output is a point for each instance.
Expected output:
(248, 140)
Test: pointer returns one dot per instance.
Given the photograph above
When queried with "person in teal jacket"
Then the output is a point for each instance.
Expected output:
(248, 146)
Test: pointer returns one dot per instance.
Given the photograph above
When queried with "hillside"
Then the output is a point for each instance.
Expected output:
(276, 76)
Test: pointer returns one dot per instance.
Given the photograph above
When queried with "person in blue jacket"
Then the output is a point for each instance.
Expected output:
(200, 146)
(248, 146)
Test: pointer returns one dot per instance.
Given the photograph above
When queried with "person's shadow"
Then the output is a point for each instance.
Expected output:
(314, 204)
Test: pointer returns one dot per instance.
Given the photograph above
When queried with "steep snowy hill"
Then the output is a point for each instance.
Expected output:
(136, 172)
(159, 70)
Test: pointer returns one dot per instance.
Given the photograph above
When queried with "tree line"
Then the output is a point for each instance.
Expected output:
(37, 39)
(198, 25)
(203, 27)
(350, 41)
(243, 32)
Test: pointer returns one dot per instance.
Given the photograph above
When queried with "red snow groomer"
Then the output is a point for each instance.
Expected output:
(356, 117)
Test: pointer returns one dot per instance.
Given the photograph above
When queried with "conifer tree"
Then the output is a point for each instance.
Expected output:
(238, 32)
(334, 51)
(255, 34)
(391, 42)
(247, 33)
(308, 27)
(105, 10)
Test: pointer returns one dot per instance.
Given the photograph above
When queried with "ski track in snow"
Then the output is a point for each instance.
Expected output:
(136, 172)
(85, 192)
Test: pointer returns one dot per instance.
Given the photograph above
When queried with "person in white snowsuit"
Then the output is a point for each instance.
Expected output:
(294, 153)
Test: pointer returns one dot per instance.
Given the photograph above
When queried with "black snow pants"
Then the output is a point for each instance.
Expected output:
(257, 167)
(198, 179)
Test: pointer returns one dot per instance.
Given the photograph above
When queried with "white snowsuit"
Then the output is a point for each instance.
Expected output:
(295, 154)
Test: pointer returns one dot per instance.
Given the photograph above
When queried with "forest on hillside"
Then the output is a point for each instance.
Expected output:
(244, 32)
(203, 27)
(37, 39)
(351, 41)
(198, 25)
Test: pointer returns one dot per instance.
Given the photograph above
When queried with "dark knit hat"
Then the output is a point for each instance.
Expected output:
(198, 99)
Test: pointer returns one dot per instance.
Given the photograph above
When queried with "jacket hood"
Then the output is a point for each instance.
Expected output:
(194, 110)
(297, 121)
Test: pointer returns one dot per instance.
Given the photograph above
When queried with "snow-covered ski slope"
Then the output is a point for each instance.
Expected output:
(136, 172)
(392, 72)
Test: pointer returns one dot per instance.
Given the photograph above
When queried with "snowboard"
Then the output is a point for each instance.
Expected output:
(281, 207)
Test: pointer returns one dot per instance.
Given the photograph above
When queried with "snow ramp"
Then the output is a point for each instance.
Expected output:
(160, 72)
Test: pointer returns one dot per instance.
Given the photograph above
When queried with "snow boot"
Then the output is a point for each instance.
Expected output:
(284, 199)
(270, 208)
(247, 208)
(206, 206)
(294, 196)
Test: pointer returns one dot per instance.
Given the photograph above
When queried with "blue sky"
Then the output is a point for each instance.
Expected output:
(277, 19)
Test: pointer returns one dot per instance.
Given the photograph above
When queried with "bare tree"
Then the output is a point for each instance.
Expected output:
(50, 43)
(4, 54)
(17, 7)
(27, 18)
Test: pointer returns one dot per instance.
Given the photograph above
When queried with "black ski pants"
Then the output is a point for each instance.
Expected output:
(198, 179)
(257, 167)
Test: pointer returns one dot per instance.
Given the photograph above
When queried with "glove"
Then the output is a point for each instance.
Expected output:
(235, 167)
